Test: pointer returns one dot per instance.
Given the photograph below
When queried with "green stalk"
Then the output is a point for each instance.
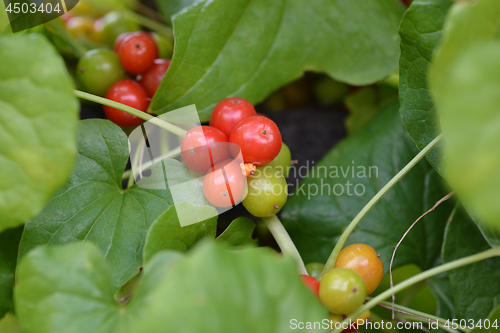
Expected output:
(143, 115)
(284, 241)
(330, 263)
(416, 315)
(135, 162)
(148, 164)
(150, 24)
(421, 277)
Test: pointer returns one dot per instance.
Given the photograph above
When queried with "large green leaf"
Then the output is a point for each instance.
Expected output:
(250, 48)
(166, 233)
(420, 31)
(9, 244)
(468, 23)
(38, 124)
(93, 206)
(369, 158)
(475, 287)
(491, 324)
(63, 289)
(465, 84)
(468, 110)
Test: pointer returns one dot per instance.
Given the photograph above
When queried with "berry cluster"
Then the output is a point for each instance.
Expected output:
(129, 74)
(237, 143)
(358, 272)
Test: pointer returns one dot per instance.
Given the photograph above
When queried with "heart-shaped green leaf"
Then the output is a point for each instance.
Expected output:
(420, 31)
(338, 187)
(9, 244)
(475, 287)
(38, 126)
(93, 206)
(239, 232)
(166, 233)
(68, 288)
(250, 48)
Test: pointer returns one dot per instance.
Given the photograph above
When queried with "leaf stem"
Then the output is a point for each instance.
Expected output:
(284, 241)
(135, 162)
(421, 277)
(343, 238)
(150, 23)
(416, 314)
(143, 115)
(147, 165)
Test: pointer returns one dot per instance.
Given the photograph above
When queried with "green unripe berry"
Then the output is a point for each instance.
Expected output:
(98, 70)
(165, 45)
(267, 192)
(283, 160)
(114, 24)
(342, 291)
(314, 269)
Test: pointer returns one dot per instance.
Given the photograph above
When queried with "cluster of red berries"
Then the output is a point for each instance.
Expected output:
(358, 272)
(138, 55)
(235, 143)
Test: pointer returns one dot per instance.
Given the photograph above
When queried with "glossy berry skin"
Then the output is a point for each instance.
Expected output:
(267, 192)
(115, 24)
(258, 138)
(224, 188)
(130, 93)
(283, 161)
(151, 79)
(311, 283)
(98, 70)
(203, 147)
(364, 260)
(119, 40)
(314, 269)
(230, 112)
(342, 291)
(137, 53)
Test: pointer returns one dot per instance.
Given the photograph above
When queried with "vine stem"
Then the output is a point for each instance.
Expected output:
(150, 23)
(135, 162)
(143, 115)
(421, 277)
(284, 241)
(330, 263)
(416, 314)
(148, 164)
(446, 197)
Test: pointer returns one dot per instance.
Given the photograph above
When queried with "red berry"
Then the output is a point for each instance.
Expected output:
(66, 17)
(230, 112)
(152, 78)
(311, 283)
(203, 147)
(223, 185)
(130, 93)
(137, 52)
(119, 40)
(259, 139)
